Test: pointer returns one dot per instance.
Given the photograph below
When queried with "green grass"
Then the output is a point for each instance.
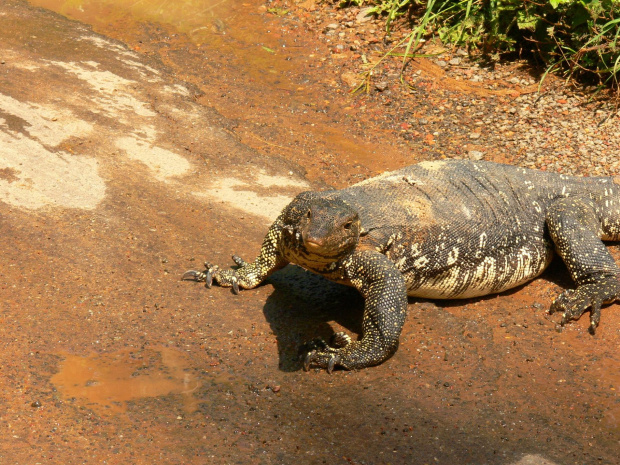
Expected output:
(577, 38)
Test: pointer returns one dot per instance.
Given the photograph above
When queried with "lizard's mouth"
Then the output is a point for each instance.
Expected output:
(313, 245)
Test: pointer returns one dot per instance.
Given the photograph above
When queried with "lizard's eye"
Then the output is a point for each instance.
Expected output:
(348, 225)
(309, 214)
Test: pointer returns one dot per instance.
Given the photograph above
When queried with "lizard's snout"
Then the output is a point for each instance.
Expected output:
(313, 244)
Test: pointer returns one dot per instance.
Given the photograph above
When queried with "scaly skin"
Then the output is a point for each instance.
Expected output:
(447, 229)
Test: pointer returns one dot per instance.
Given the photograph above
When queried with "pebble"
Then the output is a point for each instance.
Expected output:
(362, 16)
(350, 79)
(563, 129)
(381, 86)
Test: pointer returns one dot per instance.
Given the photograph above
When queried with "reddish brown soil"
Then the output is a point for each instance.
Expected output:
(217, 378)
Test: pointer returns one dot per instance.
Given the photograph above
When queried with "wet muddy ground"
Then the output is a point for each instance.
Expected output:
(117, 175)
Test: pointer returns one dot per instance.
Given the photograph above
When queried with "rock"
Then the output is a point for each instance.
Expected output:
(474, 135)
(442, 63)
(475, 155)
(350, 79)
(455, 61)
(364, 15)
(332, 26)
(308, 5)
(381, 86)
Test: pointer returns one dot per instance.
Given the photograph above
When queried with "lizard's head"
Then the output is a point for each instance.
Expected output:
(328, 228)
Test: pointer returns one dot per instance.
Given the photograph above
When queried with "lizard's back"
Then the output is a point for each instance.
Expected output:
(460, 228)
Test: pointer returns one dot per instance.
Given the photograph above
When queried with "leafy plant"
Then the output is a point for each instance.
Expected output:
(577, 37)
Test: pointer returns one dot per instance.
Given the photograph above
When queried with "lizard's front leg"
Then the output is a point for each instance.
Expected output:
(575, 227)
(385, 294)
(248, 275)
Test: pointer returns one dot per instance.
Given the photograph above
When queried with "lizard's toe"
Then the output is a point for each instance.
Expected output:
(193, 275)
(340, 340)
(205, 276)
(322, 359)
(239, 261)
(574, 302)
(235, 285)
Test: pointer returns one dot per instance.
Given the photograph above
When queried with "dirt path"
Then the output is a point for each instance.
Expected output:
(116, 175)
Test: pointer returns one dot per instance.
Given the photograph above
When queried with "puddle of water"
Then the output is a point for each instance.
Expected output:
(230, 26)
(106, 382)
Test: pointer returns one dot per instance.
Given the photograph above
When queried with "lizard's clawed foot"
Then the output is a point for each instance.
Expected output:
(226, 278)
(574, 302)
(205, 276)
(322, 355)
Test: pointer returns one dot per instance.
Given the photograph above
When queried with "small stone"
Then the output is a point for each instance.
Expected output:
(332, 26)
(442, 63)
(475, 155)
(350, 79)
(381, 86)
(455, 61)
(514, 80)
(474, 135)
(364, 15)
(36, 404)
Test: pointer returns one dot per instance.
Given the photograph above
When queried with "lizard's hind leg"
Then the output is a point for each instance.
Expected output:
(576, 225)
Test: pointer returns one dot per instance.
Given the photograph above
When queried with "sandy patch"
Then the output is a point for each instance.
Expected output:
(177, 89)
(110, 45)
(40, 178)
(114, 95)
(48, 125)
(162, 163)
(243, 195)
(534, 460)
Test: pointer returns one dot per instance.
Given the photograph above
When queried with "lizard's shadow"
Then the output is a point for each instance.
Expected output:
(303, 303)
(301, 307)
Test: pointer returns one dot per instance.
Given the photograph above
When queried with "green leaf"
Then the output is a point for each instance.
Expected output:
(525, 21)
(556, 3)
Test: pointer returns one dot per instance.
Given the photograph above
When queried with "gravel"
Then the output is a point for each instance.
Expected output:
(457, 106)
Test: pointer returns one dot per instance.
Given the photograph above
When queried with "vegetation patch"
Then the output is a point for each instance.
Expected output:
(578, 38)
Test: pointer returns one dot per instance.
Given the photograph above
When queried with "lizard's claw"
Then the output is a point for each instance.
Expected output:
(239, 261)
(205, 276)
(236, 279)
(327, 360)
(574, 302)
(320, 354)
